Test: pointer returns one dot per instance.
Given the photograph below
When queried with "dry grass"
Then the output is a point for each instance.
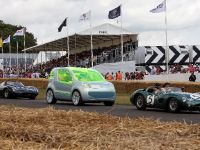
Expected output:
(51, 129)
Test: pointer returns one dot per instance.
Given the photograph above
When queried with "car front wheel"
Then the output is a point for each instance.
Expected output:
(173, 105)
(50, 97)
(140, 102)
(76, 98)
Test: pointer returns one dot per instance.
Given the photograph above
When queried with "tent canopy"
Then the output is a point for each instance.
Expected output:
(102, 36)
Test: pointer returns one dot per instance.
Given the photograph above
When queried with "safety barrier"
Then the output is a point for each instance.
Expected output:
(126, 87)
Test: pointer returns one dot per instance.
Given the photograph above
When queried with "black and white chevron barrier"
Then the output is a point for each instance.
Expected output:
(155, 55)
(196, 54)
(178, 55)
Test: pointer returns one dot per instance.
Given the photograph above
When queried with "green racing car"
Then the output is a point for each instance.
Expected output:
(172, 99)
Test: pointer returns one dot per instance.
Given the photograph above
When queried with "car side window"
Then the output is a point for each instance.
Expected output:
(64, 76)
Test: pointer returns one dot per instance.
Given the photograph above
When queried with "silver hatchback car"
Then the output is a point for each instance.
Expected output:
(79, 85)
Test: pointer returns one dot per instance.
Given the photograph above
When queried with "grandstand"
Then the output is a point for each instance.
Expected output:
(106, 46)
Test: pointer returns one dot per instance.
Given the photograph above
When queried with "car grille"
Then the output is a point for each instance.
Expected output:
(101, 94)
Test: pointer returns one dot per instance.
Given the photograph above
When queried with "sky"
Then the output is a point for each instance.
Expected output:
(43, 17)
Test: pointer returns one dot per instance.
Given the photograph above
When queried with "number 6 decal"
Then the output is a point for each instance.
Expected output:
(150, 99)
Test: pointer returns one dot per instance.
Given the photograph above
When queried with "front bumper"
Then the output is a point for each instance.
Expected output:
(98, 95)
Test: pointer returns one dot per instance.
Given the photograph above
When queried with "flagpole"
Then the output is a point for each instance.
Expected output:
(91, 44)
(10, 54)
(166, 40)
(121, 35)
(2, 58)
(75, 50)
(24, 49)
(67, 46)
(17, 57)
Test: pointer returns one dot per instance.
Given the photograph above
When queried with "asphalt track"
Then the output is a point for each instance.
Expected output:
(116, 110)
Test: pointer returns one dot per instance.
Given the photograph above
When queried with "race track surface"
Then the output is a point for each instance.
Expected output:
(116, 110)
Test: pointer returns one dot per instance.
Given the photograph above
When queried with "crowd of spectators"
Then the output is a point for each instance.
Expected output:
(137, 75)
(156, 70)
(83, 59)
(31, 72)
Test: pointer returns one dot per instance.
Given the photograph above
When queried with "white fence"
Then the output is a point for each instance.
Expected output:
(180, 77)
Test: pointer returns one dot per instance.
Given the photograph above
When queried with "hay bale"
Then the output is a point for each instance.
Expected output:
(125, 87)
(52, 129)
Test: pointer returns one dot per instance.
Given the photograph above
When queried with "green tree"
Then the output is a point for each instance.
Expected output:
(8, 29)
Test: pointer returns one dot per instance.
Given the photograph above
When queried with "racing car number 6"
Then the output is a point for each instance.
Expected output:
(150, 99)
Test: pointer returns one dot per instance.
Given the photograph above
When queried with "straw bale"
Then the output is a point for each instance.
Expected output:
(47, 128)
(125, 87)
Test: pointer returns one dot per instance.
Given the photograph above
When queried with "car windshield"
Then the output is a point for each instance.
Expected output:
(14, 83)
(87, 75)
(173, 89)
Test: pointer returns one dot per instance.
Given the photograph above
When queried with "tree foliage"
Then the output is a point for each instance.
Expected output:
(8, 29)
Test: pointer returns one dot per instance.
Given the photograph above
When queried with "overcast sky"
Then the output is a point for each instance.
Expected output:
(42, 18)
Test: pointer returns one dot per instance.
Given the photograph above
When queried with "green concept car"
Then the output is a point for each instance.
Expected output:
(79, 85)
(172, 99)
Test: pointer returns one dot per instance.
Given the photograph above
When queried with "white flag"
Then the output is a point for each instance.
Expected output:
(85, 16)
(20, 32)
(6, 40)
(160, 8)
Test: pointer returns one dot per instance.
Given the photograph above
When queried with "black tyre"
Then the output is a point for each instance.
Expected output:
(111, 103)
(50, 98)
(6, 93)
(76, 98)
(132, 100)
(140, 102)
(173, 105)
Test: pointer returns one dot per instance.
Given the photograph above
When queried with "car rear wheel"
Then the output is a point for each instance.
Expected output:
(6, 93)
(50, 97)
(173, 105)
(76, 98)
(140, 102)
(109, 103)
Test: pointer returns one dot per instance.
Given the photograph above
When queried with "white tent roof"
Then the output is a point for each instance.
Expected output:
(81, 41)
(105, 29)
